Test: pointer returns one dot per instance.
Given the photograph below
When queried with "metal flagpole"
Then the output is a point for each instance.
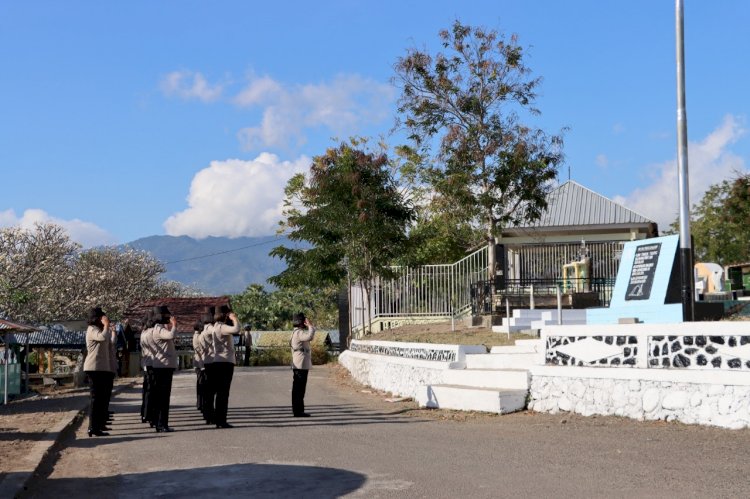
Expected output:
(686, 253)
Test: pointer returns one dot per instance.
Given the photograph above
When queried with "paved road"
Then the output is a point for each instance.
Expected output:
(358, 445)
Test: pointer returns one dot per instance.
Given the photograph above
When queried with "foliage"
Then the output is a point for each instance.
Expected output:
(351, 212)
(721, 223)
(270, 311)
(45, 277)
(279, 356)
(490, 170)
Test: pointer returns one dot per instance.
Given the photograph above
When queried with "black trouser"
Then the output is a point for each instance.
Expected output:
(110, 387)
(163, 382)
(147, 379)
(98, 407)
(199, 375)
(223, 381)
(209, 392)
(299, 385)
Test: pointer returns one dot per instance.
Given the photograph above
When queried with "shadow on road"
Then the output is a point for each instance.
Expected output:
(239, 480)
(127, 423)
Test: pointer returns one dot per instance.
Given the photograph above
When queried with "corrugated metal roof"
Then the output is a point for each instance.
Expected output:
(52, 337)
(572, 204)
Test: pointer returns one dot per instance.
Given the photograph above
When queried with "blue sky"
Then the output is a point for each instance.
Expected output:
(129, 119)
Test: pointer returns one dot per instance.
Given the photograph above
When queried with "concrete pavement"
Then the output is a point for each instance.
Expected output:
(357, 445)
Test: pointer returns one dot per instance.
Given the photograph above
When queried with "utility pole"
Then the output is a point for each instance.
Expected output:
(686, 252)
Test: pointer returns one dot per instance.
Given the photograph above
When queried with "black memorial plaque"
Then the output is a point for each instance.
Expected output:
(642, 272)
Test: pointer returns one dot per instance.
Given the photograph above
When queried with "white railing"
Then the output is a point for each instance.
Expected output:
(420, 293)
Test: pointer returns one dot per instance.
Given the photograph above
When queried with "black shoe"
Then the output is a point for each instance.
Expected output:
(144, 420)
(98, 433)
(165, 429)
(224, 425)
(302, 415)
(105, 428)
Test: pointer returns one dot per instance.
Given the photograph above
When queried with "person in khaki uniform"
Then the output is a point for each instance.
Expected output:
(302, 335)
(207, 342)
(165, 363)
(226, 324)
(147, 365)
(198, 363)
(97, 367)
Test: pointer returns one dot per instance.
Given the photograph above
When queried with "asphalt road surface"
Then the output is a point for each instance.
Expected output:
(358, 445)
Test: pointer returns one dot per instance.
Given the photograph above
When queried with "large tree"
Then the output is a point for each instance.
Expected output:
(471, 97)
(45, 277)
(352, 214)
(721, 222)
(36, 272)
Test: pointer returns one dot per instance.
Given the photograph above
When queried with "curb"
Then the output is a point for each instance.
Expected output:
(17, 483)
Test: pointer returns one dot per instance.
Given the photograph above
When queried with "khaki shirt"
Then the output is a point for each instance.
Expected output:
(224, 342)
(207, 340)
(301, 350)
(97, 347)
(198, 349)
(165, 354)
(147, 350)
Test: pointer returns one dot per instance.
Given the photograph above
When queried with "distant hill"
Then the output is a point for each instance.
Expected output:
(228, 272)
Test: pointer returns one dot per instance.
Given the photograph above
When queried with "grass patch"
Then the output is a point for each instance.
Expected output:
(441, 333)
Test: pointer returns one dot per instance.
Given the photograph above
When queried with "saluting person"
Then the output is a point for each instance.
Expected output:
(147, 363)
(303, 334)
(207, 341)
(165, 363)
(226, 324)
(198, 364)
(96, 366)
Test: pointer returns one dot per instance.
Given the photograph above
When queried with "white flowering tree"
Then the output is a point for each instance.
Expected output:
(46, 277)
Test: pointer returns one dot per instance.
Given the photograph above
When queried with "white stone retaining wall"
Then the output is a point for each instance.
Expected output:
(718, 398)
(400, 367)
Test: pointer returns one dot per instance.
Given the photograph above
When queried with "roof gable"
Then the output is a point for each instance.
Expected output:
(572, 204)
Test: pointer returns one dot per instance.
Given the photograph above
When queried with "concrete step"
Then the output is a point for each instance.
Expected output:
(501, 360)
(553, 322)
(471, 399)
(510, 329)
(515, 349)
(488, 378)
(536, 342)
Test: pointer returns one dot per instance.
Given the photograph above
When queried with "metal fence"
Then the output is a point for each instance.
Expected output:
(545, 261)
(428, 291)
(482, 300)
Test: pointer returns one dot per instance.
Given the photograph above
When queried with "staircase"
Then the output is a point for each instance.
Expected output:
(495, 382)
(525, 319)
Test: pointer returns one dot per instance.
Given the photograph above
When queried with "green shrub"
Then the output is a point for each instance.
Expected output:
(282, 356)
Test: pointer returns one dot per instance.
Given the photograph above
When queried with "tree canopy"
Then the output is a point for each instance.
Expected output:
(44, 276)
(493, 169)
(351, 212)
(720, 223)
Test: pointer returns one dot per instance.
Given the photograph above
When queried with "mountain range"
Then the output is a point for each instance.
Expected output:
(216, 265)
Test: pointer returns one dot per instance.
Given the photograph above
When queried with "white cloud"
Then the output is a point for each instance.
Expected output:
(189, 85)
(86, 234)
(341, 106)
(236, 198)
(709, 162)
(602, 161)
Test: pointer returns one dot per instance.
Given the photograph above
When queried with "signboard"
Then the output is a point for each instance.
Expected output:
(642, 272)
